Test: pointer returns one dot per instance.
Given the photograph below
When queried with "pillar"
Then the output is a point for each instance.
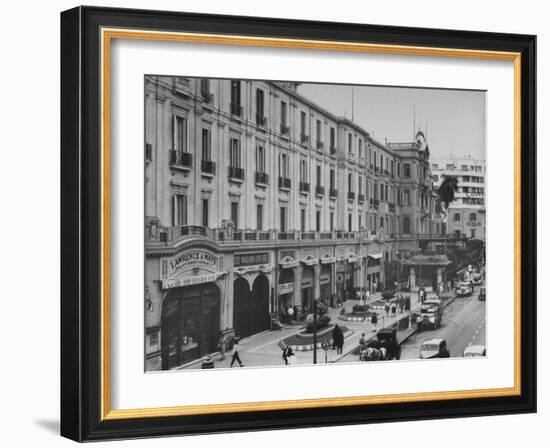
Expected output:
(412, 278)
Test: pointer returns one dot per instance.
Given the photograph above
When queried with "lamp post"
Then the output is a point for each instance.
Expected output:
(314, 331)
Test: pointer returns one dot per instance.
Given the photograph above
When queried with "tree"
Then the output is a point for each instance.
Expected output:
(446, 193)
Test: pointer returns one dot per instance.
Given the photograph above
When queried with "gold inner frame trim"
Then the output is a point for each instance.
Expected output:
(107, 35)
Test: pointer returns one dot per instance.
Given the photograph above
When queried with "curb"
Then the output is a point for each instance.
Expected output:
(309, 347)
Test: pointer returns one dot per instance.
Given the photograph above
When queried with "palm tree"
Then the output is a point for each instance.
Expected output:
(446, 193)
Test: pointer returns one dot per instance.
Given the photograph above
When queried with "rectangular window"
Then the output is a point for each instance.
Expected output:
(360, 184)
(282, 219)
(332, 179)
(205, 87)
(350, 182)
(450, 167)
(360, 148)
(318, 130)
(318, 175)
(260, 103)
(283, 165)
(350, 142)
(303, 171)
(235, 153)
(179, 210)
(283, 113)
(407, 169)
(349, 222)
(206, 144)
(303, 123)
(235, 214)
(318, 220)
(360, 223)
(407, 197)
(331, 221)
(180, 134)
(303, 220)
(259, 217)
(205, 212)
(236, 92)
(456, 217)
(332, 138)
(260, 159)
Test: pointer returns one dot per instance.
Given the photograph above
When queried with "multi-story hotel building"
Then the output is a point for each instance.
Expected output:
(257, 200)
(466, 214)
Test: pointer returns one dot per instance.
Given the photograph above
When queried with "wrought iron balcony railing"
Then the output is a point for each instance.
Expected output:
(179, 158)
(208, 167)
(235, 172)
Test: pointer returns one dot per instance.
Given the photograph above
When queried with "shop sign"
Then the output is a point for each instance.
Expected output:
(324, 279)
(285, 288)
(187, 281)
(307, 283)
(251, 259)
(190, 259)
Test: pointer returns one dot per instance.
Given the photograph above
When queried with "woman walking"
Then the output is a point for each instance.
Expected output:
(235, 356)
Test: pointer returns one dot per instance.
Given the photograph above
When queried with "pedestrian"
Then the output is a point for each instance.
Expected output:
(207, 363)
(222, 345)
(394, 309)
(287, 353)
(236, 356)
(367, 296)
(362, 342)
(387, 308)
(374, 320)
(338, 339)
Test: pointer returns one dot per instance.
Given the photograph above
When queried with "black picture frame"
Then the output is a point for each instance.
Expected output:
(81, 224)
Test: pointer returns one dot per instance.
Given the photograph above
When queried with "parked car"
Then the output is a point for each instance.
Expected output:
(464, 289)
(482, 294)
(475, 350)
(430, 315)
(477, 278)
(434, 348)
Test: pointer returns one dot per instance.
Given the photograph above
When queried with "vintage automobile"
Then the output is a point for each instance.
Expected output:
(464, 289)
(384, 348)
(477, 278)
(434, 348)
(482, 293)
(430, 315)
(475, 350)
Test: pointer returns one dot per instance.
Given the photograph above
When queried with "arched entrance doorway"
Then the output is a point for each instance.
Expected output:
(190, 324)
(250, 308)
(307, 288)
(325, 280)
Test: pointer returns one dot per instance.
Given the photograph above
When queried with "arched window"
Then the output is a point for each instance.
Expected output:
(406, 225)
(473, 217)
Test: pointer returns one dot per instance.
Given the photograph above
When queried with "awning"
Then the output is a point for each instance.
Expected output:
(288, 262)
(309, 260)
(327, 260)
(352, 258)
(376, 256)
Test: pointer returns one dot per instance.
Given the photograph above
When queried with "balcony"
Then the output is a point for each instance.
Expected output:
(391, 207)
(207, 97)
(285, 130)
(351, 195)
(307, 235)
(148, 152)
(304, 139)
(261, 178)
(284, 182)
(332, 150)
(181, 159)
(325, 235)
(320, 144)
(208, 167)
(376, 169)
(304, 187)
(319, 190)
(285, 236)
(361, 197)
(236, 109)
(333, 192)
(376, 203)
(234, 172)
(261, 120)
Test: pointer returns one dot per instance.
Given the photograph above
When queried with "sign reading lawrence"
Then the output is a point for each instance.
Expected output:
(194, 258)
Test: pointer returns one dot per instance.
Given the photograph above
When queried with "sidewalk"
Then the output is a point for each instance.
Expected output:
(263, 349)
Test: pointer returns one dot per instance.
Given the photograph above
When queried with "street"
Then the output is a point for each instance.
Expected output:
(463, 324)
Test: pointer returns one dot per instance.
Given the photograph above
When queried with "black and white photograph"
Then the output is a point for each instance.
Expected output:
(291, 223)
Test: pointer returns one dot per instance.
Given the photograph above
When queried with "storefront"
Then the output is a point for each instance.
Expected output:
(285, 290)
(190, 324)
(325, 282)
(308, 278)
(250, 306)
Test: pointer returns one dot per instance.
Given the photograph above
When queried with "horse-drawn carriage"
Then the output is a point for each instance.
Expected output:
(384, 348)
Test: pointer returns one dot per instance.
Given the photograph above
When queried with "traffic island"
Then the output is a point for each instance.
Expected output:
(303, 340)
(359, 313)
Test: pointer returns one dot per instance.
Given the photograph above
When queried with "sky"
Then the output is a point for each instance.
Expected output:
(454, 120)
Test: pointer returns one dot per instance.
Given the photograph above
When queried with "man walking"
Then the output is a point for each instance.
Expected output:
(235, 356)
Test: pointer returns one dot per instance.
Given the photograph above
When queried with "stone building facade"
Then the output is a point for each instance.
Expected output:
(257, 200)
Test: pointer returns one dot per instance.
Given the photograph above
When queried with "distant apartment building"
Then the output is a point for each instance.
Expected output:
(259, 200)
(467, 213)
